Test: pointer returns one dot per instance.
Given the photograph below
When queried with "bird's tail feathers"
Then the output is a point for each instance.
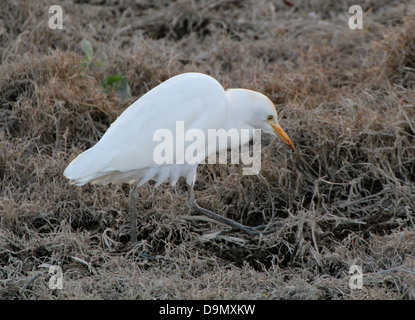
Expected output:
(87, 167)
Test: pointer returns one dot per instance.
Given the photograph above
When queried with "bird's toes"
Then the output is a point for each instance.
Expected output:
(259, 230)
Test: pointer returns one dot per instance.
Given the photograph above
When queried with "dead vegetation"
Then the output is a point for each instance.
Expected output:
(347, 196)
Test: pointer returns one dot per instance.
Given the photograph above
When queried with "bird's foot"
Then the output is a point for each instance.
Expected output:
(258, 230)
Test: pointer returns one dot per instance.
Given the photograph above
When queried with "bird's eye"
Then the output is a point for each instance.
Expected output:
(270, 118)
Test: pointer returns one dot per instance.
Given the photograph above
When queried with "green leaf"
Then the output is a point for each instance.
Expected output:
(116, 83)
(87, 49)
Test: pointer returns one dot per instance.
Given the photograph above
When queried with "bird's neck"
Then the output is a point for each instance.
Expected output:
(237, 115)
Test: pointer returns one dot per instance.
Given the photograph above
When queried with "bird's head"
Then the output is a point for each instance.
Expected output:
(259, 112)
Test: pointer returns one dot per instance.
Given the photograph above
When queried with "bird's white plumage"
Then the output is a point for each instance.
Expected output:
(125, 151)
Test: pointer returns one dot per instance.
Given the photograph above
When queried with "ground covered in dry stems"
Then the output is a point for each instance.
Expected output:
(345, 197)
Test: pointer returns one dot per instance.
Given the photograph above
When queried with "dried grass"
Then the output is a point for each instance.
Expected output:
(345, 197)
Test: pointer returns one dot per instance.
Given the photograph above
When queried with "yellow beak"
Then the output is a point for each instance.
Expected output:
(281, 134)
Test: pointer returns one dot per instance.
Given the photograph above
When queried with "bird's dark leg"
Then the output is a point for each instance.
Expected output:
(133, 216)
(233, 224)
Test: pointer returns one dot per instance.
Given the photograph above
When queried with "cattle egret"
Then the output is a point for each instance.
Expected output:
(126, 152)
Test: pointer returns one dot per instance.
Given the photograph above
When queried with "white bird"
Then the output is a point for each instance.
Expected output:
(125, 153)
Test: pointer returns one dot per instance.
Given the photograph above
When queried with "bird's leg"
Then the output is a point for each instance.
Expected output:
(233, 224)
(133, 216)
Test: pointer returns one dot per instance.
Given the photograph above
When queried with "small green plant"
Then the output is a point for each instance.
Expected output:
(116, 83)
(112, 83)
(88, 53)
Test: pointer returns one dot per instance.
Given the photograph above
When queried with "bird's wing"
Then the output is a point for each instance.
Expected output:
(196, 99)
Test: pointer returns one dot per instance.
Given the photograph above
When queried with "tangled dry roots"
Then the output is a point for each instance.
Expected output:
(346, 196)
